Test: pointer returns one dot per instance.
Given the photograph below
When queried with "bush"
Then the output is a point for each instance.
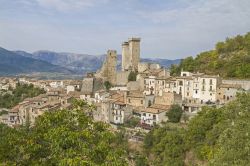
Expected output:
(174, 114)
(132, 76)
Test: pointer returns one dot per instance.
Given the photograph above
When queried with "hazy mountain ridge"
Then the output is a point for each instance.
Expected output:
(82, 63)
(13, 63)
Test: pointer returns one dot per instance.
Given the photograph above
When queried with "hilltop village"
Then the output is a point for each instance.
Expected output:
(142, 91)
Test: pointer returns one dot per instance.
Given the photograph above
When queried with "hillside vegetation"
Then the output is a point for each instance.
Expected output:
(21, 92)
(230, 58)
(213, 137)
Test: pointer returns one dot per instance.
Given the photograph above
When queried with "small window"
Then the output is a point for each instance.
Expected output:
(141, 101)
(144, 114)
(154, 116)
(211, 82)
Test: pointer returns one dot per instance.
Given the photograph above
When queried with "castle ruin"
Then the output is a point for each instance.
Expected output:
(108, 70)
(131, 54)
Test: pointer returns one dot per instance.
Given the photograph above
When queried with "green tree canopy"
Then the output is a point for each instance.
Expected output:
(174, 114)
(63, 137)
(230, 58)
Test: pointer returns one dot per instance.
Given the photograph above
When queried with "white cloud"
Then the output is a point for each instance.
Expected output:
(68, 5)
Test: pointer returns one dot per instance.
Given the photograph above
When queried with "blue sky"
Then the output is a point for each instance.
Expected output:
(168, 28)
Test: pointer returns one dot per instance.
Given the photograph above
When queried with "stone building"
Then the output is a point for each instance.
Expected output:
(131, 54)
(227, 92)
(108, 70)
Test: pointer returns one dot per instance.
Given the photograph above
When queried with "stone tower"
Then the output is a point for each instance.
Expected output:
(111, 66)
(131, 54)
(126, 58)
(108, 70)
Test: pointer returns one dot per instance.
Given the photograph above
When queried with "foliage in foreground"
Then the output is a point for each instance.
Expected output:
(215, 137)
(63, 137)
(19, 94)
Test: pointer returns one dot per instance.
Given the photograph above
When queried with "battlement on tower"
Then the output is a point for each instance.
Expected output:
(134, 39)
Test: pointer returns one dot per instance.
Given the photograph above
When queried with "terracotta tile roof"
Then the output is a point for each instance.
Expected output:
(157, 108)
(15, 109)
(136, 94)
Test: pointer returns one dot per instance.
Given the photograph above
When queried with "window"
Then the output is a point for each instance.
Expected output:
(144, 114)
(180, 83)
(154, 116)
(149, 103)
(196, 92)
(129, 100)
(211, 82)
(203, 81)
(141, 101)
(211, 88)
(187, 93)
(203, 88)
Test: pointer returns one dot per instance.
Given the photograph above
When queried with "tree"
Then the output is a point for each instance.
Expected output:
(107, 85)
(174, 114)
(166, 145)
(21, 92)
(62, 137)
(132, 76)
(230, 58)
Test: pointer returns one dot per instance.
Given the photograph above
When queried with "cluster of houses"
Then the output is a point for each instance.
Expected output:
(7, 82)
(151, 96)
(59, 95)
(148, 97)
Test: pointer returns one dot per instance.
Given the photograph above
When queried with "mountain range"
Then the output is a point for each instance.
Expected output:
(21, 62)
(12, 63)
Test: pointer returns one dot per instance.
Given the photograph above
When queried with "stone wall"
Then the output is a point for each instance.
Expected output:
(245, 84)
(122, 77)
(108, 70)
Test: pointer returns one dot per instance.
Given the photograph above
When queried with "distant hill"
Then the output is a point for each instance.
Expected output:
(81, 63)
(12, 63)
(230, 58)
